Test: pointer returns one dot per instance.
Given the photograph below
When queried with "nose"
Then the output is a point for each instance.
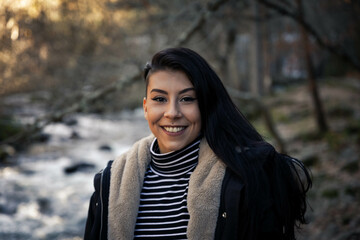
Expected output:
(173, 110)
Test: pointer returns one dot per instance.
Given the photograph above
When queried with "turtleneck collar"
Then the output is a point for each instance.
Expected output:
(174, 163)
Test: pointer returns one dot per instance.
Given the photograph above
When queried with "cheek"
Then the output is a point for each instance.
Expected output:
(194, 115)
(154, 114)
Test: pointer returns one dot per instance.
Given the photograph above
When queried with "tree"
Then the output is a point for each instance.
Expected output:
(307, 29)
(313, 87)
(286, 9)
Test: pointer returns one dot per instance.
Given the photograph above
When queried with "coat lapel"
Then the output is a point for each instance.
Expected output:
(127, 176)
(204, 194)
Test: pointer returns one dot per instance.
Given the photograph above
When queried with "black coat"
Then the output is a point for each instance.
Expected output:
(230, 211)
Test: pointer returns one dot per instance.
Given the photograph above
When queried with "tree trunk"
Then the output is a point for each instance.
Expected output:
(313, 88)
(258, 88)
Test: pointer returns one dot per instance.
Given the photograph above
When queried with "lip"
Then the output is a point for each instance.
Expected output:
(174, 133)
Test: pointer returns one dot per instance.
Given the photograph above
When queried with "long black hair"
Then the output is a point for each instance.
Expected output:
(230, 135)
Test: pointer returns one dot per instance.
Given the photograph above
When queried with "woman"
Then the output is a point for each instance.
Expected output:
(205, 173)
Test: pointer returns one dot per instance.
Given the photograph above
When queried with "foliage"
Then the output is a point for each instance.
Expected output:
(9, 127)
(85, 44)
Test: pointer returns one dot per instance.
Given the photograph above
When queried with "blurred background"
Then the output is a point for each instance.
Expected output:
(71, 95)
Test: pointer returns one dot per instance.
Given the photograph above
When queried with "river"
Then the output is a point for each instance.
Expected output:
(45, 195)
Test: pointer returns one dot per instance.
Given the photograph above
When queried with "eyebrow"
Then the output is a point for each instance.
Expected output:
(165, 92)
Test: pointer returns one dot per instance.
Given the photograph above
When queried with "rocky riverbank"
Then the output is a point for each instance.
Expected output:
(45, 195)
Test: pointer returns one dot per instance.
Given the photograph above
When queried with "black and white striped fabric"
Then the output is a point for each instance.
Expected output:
(163, 208)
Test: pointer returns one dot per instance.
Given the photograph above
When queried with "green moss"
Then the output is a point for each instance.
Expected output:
(262, 129)
(9, 127)
(298, 115)
(330, 193)
(335, 140)
(281, 118)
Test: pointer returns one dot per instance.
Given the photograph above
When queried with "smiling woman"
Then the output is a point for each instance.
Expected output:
(172, 110)
(204, 173)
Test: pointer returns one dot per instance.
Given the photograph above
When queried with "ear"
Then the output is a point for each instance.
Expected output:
(145, 108)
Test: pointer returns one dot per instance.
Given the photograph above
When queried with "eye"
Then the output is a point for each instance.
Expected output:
(159, 99)
(187, 99)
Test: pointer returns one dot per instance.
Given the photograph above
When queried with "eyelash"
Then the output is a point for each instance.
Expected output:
(188, 99)
(184, 99)
(159, 99)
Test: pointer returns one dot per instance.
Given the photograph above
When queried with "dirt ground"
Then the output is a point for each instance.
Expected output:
(333, 158)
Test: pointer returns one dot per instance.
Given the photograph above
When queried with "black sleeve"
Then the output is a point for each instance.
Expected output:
(289, 181)
(93, 222)
(270, 227)
(270, 224)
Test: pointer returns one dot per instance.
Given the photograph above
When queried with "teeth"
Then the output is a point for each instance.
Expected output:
(174, 129)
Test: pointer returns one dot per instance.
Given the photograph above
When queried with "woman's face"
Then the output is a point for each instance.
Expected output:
(172, 110)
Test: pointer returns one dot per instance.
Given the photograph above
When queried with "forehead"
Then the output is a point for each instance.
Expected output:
(169, 79)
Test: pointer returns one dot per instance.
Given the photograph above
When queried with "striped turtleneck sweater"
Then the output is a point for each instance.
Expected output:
(163, 201)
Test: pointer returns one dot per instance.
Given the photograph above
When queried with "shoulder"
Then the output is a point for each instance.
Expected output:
(98, 176)
(261, 148)
(139, 149)
(279, 164)
(139, 146)
(134, 161)
(266, 155)
(97, 180)
(260, 152)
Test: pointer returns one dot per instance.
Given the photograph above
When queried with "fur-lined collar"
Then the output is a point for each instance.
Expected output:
(127, 176)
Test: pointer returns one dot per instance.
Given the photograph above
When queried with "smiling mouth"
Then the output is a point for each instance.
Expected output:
(174, 129)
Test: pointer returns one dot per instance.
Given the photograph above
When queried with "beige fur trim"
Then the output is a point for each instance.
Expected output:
(204, 194)
(127, 176)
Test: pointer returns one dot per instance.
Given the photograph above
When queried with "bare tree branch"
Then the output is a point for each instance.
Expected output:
(204, 15)
(307, 26)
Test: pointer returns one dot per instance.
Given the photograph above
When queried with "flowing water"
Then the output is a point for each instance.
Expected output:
(45, 195)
